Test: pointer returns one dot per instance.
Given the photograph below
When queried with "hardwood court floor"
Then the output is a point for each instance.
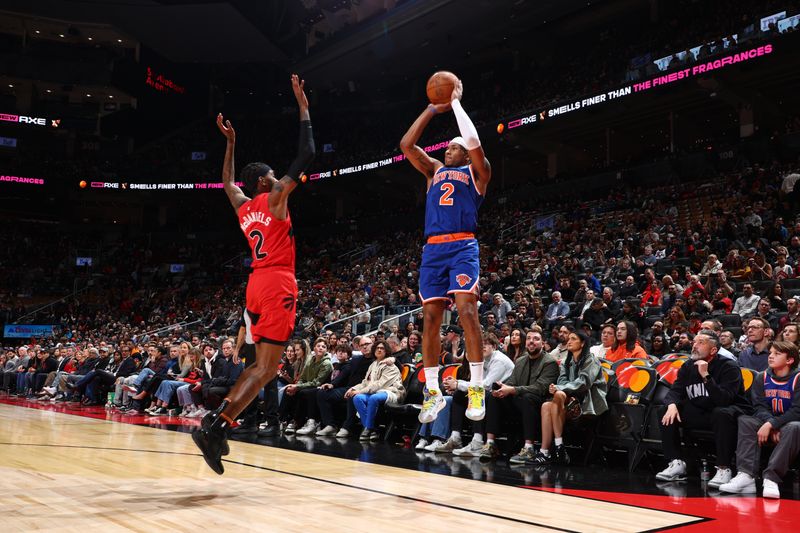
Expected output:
(71, 473)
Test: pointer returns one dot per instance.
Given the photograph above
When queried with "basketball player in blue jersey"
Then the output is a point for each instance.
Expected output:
(450, 267)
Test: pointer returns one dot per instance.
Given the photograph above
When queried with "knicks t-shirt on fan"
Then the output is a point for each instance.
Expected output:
(452, 203)
(271, 240)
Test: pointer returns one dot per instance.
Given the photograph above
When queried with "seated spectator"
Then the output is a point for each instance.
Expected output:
(222, 380)
(519, 398)
(683, 343)
(500, 308)
(716, 327)
(658, 346)
(560, 352)
(781, 269)
(515, 346)
(711, 267)
(792, 313)
(558, 310)
(351, 371)
(705, 386)
(298, 396)
(611, 301)
(764, 312)
(776, 422)
(628, 289)
(759, 268)
(626, 345)
(651, 295)
(755, 356)
(607, 335)
(747, 303)
(727, 341)
(381, 384)
(631, 313)
(597, 314)
(775, 295)
(791, 333)
(669, 298)
(721, 304)
(581, 382)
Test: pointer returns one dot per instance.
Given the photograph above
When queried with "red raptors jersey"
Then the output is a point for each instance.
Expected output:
(270, 239)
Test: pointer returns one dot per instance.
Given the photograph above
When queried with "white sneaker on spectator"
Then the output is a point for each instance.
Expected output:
(342, 433)
(723, 475)
(473, 449)
(50, 390)
(289, 429)
(200, 412)
(421, 444)
(262, 426)
(675, 471)
(771, 489)
(188, 410)
(327, 431)
(433, 446)
(743, 483)
(309, 428)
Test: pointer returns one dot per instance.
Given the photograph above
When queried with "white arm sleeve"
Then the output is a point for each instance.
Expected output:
(465, 126)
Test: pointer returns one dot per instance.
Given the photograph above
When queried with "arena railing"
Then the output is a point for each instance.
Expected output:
(51, 304)
(397, 318)
(354, 316)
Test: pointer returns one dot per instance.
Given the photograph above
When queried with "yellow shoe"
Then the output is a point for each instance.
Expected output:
(432, 403)
(476, 402)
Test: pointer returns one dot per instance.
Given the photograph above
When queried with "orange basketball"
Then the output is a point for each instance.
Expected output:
(440, 87)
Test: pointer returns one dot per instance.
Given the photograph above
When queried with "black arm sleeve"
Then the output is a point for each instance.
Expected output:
(305, 152)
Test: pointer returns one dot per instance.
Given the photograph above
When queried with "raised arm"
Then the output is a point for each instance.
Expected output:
(416, 155)
(480, 164)
(279, 195)
(235, 194)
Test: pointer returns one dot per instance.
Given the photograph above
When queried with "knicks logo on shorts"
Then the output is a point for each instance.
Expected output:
(288, 302)
(463, 280)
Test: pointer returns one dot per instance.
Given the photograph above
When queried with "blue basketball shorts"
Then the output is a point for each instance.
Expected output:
(449, 268)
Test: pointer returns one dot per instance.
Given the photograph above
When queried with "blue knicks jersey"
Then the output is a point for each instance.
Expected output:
(778, 394)
(452, 203)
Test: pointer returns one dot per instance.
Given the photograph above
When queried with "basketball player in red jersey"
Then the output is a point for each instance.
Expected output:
(272, 286)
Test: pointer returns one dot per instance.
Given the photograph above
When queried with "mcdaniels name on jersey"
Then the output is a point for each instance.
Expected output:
(254, 217)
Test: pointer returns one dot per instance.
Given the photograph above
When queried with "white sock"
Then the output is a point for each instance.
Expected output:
(528, 445)
(455, 435)
(559, 441)
(477, 437)
(489, 441)
(432, 378)
(545, 452)
(476, 374)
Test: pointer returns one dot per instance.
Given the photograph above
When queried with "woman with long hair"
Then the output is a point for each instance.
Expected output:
(775, 295)
(790, 333)
(658, 346)
(516, 344)
(674, 317)
(582, 387)
(626, 344)
(383, 383)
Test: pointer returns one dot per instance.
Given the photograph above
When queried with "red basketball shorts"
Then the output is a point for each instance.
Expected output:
(271, 301)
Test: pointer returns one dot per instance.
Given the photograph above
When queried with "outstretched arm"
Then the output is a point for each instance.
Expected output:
(235, 194)
(467, 129)
(279, 195)
(416, 155)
